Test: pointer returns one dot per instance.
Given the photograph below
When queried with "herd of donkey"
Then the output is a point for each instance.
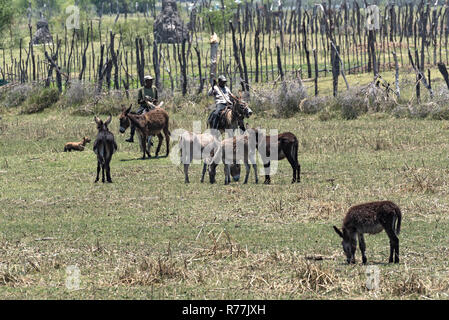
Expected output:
(371, 218)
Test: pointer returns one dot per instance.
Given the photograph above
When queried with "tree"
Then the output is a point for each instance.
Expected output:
(6, 14)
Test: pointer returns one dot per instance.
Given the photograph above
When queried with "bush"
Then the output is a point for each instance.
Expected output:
(40, 100)
(105, 103)
(314, 105)
(290, 94)
(15, 96)
(262, 100)
(77, 93)
(351, 103)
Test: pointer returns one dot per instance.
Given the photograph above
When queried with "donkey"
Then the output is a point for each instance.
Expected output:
(104, 147)
(199, 147)
(284, 145)
(232, 118)
(236, 149)
(69, 146)
(372, 218)
(147, 124)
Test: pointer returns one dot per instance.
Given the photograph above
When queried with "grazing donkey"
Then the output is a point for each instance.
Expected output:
(284, 145)
(236, 149)
(372, 218)
(104, 147)
(199, 147)
(147, 124)
(69, 146)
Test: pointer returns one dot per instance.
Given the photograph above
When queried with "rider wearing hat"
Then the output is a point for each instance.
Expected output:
(147, 93)
(223, 98)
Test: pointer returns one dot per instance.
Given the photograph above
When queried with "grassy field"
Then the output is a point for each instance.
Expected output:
(150, 236)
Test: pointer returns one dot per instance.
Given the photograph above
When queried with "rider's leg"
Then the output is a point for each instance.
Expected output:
(217, 112)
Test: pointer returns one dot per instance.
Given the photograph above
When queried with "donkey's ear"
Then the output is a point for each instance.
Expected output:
(129, 109)
(108, 120)
(97, 120)
(338, 231)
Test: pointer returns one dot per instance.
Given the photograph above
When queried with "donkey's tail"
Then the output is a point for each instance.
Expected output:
(398, 222)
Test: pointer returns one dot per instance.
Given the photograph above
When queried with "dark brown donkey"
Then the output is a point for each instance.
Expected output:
(372, 218)
(148, 124)
(278, 147)
(104, 147)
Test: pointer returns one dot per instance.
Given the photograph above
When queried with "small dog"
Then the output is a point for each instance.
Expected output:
(69, 146)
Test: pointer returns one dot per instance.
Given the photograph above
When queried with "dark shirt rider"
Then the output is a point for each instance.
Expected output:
(147, 93)
(222, 96)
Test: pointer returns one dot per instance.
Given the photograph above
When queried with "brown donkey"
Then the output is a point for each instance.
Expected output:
(372, 218)
(104, 147)
(284, 145)
(148, 124)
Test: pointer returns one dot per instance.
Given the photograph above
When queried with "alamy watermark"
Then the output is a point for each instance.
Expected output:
(72, 280)
(372, 277)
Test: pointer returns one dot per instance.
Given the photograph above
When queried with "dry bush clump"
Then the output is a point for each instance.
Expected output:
(314, 105)
(77, 93)
(289, 96)
(263, 99)
(410, 284)
(104, 103)
(362, 99)
(13, 276)
(314, 277)
(15, 95)
(151, 271)
(420, 180)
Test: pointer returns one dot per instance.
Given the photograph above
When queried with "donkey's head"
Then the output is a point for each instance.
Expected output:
(349, 243)
(241, 107)
(103, 126)
(124, 120)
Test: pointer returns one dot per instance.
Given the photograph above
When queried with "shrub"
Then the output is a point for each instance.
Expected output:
(314, 105)
(105, 103)
(15, 96)
(351, 103)
(40, 100)
(289, 96)
(263, 99)
(77, 93)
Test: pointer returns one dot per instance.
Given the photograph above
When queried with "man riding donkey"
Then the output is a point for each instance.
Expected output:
(223, 99)
(147, 99)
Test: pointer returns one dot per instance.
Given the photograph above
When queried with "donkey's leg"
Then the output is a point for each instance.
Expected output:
(248, 169)
(292, 164)
(227, 172)
(143, 146)
(255, 173)
(394, 245)
(267, 173)
(362, 247)
(160, 137)
(148, 144)
(204, 172)
(102, 173)
(98, 172)
(108, 171)
(186, 173)
(167, 140)
(298, 166)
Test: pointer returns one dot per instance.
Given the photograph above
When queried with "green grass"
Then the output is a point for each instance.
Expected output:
(150, 236)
